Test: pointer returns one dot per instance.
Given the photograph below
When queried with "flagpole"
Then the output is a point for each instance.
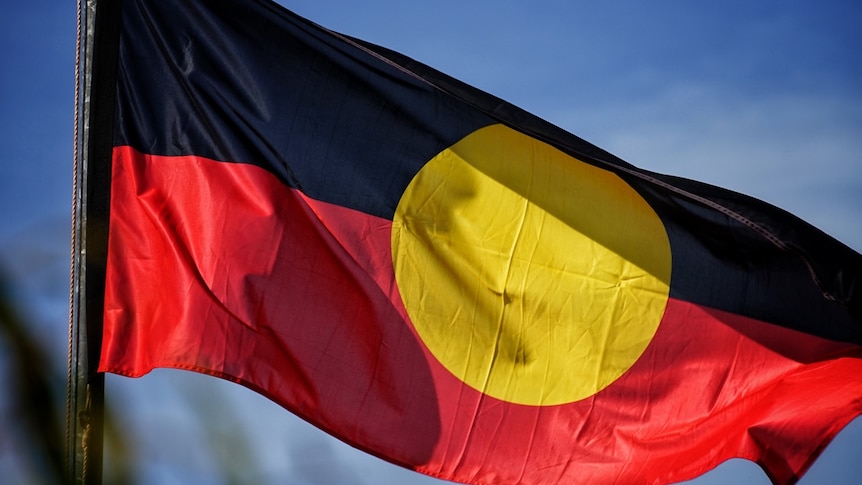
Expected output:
(95, 75)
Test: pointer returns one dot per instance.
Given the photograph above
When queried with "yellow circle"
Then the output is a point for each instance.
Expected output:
(533, 277)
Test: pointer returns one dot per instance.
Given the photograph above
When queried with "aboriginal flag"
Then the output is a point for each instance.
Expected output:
(446, 281)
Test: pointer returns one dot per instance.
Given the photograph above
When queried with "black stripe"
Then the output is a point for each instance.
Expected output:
(204, 78)
(351, 123)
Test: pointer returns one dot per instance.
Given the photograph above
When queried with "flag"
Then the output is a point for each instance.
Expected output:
(443, 280)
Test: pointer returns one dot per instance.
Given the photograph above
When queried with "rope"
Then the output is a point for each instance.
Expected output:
(73, 245)
(85, 437)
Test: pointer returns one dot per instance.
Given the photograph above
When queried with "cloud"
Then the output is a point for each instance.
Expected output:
(798, 150)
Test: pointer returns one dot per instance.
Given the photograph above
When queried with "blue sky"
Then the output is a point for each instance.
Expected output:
(761, 97)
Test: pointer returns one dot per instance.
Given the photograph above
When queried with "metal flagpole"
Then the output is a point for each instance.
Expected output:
(95, 72)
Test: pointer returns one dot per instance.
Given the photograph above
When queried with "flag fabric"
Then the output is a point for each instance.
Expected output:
(443, 280)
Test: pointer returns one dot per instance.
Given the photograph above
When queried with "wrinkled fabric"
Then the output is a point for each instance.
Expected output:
(258, 166)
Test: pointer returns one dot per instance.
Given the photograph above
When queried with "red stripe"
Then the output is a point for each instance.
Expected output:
(220, 268)
(721, 396)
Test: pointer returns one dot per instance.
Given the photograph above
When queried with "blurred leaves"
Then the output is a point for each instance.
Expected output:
(32, 393)
(34, 292)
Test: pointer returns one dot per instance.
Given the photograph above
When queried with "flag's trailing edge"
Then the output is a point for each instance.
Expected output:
(448, 282)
